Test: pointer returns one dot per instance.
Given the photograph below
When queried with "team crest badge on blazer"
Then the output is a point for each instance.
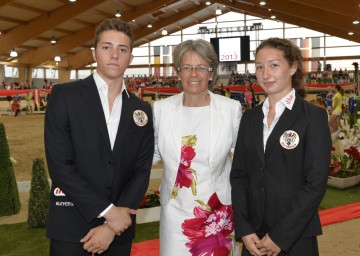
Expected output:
(140, 118)
(289, 139)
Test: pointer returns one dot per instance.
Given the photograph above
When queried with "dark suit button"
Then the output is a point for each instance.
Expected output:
(111, 162)
(262, 189)
(262, 168)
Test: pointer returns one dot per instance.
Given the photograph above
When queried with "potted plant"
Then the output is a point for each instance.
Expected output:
(344, 171)
(348, 133)
(149, 209)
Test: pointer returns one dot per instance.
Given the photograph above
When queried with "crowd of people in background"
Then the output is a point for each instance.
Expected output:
(15, 85)
(235, 79)
(24, 85)
(150, 81)
(241, 79)
(330, 76)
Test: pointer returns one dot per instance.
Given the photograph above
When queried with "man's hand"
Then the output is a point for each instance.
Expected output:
(251, 243)
(118, 219)
(98, 239)
(271, 248)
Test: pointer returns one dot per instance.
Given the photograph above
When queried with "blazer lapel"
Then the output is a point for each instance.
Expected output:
(257, 130)
(216, 121)
(175, 122)
(91, 96)
(286, 120)
(126, 118)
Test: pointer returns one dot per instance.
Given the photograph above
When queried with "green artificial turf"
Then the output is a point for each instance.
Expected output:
(19, 240)
(335, 197)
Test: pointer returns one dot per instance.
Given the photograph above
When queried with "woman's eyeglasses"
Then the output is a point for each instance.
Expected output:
(199, 69)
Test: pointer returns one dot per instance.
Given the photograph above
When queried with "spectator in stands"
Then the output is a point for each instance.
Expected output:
(328, 98)
(319, 102)
(249, 98)
(281, 160)
(319, 65)
(195, 132)
(227, 92)
(254, 99)
(15, 106)
(336, 110)
(17, 97)
(137, 92)
(242, 101)
(28, 100)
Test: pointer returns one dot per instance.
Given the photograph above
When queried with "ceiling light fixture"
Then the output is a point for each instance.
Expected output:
(57, 58)
(273, 16)
(117, 14)
(13, 53)
(262, 2)
(208, 3)
(149, 25)
(218, 11)
(92, 47)
(350, 33)
(164, 32)
(356, 21)
(72, 1)
(53, 40)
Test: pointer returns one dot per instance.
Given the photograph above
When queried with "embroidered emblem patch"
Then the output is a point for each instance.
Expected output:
(140, 118)
(289, 140)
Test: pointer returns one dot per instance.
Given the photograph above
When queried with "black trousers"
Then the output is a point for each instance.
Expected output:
(59, 248)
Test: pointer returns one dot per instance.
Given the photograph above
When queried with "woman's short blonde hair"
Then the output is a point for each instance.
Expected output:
(202, 48)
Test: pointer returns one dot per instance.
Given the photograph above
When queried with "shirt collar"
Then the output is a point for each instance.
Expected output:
(287, 101)
(101, 84)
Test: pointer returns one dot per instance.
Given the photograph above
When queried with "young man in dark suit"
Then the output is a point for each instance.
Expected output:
(99, 143)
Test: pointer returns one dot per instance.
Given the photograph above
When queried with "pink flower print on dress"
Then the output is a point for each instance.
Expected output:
(210, 232)
(186, 177)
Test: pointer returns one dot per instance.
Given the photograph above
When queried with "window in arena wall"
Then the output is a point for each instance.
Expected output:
(82, 74)
(11, 72)
(52, 73)
(73, 75)
(38, 73)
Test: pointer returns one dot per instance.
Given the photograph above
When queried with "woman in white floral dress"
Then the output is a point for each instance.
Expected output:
(195, 134)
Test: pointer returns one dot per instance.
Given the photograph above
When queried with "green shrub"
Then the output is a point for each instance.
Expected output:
(9, 194)
(39, 195)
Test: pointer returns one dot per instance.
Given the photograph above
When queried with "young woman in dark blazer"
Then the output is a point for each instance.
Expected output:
(281, 160)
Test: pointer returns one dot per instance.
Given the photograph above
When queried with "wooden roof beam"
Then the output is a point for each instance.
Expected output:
(5, 2)
(12, 20)
(28, 8)
(337, 7)
(307, 12)
(293, 18)
(43, 23)
(42, 54)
